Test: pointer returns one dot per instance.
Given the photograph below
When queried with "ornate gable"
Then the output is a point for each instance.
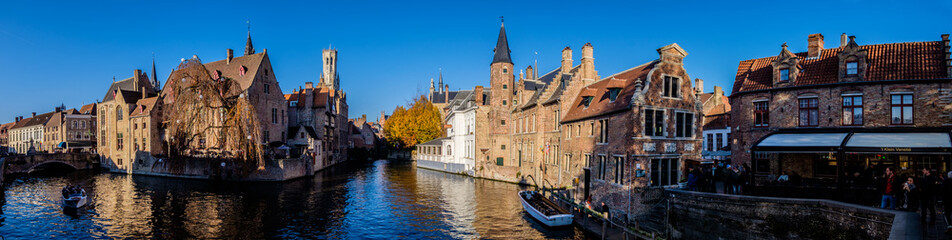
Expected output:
(852, 62)
(785, 68)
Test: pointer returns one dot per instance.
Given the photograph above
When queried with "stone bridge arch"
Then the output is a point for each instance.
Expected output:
(34, 166)
(29, 163)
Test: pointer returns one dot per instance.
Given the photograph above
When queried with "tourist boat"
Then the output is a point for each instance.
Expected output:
(544, 210)
(74, 198)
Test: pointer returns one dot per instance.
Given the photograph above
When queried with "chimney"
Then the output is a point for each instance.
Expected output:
(446, 94)
(16, 119)
(231, 54)
(308, 85)
(814, 45)
(529, 71)
(143, 93)
(34, 114)
(478, 91)
(363, 117)
(566, 60)
(699, 85)
(843, 40)
(948, 61)
(588, 62)
(718, 94)
(57, 109)
(135, 78)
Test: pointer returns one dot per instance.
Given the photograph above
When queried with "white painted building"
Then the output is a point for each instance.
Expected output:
(27, 134)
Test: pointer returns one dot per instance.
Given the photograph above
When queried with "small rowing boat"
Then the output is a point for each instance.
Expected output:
(74, 197)
(544, 210)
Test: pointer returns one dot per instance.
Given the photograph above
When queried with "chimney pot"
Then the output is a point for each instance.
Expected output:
(814, 45)
(34, 114)
(231, 54)
(843, 40)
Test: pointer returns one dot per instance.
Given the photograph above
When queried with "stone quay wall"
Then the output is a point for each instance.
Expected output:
(208, 168)
(698, 215)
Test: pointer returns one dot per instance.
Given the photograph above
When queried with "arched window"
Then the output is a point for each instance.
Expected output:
(118, 114)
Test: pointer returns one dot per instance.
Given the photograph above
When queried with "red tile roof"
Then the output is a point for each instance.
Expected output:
(144, 106)
(892, 61)
(601, 104)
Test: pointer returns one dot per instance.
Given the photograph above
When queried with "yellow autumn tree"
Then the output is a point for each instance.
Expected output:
(408, 127)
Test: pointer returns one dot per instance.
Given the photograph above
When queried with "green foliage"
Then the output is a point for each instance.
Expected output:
(408, 127)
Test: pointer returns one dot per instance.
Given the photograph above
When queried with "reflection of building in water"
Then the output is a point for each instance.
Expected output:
(120, 207)
(458, 196)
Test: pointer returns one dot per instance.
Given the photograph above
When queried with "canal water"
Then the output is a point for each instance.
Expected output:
(374, 200)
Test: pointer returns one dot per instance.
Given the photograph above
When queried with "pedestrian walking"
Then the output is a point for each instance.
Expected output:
(927, 194)
(908, 190)
(888, 188)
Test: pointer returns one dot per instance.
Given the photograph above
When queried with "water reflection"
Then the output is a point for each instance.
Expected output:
(382, 199)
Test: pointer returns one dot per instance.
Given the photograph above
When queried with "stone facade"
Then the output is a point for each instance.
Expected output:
(126, 129)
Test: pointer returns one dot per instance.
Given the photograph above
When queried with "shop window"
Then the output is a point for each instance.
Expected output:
(902, 109)
(853, 110)
(762, 162)
(824, 165)
(761, 114)
(809, 113)
(654, 123)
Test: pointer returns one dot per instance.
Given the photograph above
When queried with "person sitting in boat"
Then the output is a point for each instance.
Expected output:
(65, 191)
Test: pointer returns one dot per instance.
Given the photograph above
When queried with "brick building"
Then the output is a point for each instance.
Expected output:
(850, 109)
(636, 128)
(716, 124)
(5, 137)
(122, 132)
(71, 130)
(324, 109)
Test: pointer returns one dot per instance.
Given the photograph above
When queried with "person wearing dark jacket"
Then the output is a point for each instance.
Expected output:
(947, 198)
(927, 192)
(889, 187)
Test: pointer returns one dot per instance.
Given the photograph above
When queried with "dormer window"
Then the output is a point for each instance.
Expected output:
(242, 70)
(613, 93)
(784, 74)
(851, 68)
(587, 100)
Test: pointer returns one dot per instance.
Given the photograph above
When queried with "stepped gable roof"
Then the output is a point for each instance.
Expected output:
(33, 121)
(88, 109)
(601, 104)
(128, 85)
(233, 70)
(501, 52)
(144, 106)
(891, 61)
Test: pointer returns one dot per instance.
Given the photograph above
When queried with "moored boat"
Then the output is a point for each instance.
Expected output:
(74, 197)
(544, 210)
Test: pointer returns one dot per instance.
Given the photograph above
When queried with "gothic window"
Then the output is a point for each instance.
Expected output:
(267, 88)
(118, 113)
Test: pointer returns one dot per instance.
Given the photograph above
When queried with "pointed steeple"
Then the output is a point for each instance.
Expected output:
(249, 49)
(441, 79)
(502, 47)
(155, 79)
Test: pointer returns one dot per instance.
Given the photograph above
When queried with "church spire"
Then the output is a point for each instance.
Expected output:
(155, 79)
(441, 79)
(502, 46)
(249, 49)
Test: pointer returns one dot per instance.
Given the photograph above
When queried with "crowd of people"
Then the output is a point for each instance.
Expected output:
(719, 178)
(921, 193)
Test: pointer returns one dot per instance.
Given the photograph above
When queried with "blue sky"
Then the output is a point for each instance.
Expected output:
(68, 52)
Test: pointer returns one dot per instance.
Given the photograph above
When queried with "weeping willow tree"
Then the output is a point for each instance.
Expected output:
(208, 115)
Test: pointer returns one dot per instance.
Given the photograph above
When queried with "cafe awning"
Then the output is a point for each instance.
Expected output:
(801, 142)
(933, 142)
